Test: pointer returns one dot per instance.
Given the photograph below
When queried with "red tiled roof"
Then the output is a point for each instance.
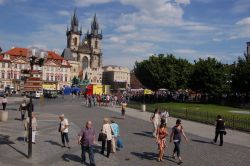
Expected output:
(54, 55)
(23, 52)
(17, 51)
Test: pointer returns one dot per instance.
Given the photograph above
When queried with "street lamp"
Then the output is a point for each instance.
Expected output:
(35, 56)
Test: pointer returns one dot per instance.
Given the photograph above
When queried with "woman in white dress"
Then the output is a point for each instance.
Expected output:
(156, 119)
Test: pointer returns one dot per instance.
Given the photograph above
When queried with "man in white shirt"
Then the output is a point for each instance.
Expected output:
(64, 129)
(165, 115)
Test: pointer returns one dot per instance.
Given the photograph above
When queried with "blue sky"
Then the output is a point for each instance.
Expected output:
(133, 29)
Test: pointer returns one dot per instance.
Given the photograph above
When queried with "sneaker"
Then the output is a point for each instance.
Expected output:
(180, 162)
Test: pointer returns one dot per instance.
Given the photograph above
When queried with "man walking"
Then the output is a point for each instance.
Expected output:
(64, 129)
(86, 138)
(219, 130)
(115, 128)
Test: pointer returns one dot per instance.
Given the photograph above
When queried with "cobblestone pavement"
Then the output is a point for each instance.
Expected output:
(139, 147)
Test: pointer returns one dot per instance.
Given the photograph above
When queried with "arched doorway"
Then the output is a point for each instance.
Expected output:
(85, 63)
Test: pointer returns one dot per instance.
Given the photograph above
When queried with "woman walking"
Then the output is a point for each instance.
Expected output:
(161, 139)
(22, 109)
(220, 129)
(155, 119)
(175, 137)
(107, 130)
(123, 110)
(34, 126)
(4, 102)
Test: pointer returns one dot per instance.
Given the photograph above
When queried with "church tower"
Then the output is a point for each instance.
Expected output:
(73, 34)
(94, 40)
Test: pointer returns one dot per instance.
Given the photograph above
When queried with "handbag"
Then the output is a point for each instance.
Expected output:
(119, 143)
(59, 128)
(102, 137)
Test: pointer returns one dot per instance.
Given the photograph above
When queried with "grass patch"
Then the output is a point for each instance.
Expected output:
(205, 113)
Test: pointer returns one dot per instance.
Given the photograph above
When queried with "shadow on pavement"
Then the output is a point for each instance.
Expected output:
(151, 156)
(53, 143)
(115, 117)
(145, 134)
(4, 140)
(201, 141)
(71, 157)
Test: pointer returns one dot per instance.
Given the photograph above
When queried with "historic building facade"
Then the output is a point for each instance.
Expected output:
(55, 73)
(84, 53)
(116, 75)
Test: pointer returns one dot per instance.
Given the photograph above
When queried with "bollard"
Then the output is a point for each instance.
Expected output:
(143, 107)
(3, 116)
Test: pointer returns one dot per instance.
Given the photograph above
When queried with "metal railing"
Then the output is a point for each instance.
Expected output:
(231, 121)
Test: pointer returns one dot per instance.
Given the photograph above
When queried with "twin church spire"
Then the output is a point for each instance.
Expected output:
(74, 27)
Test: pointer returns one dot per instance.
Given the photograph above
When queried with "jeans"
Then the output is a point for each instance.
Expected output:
(108, 147)
(4, 106)
(217, 133)
(90, 150)
(177, 148)
(64, 136)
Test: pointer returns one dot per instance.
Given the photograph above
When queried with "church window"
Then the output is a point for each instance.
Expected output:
(96, 44)
(75, 41)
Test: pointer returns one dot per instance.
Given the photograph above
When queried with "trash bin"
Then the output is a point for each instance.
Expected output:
(143, 107)
(3, 116)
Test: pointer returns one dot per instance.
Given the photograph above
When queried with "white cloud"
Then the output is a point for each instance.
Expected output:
(244, 22)
(63, 13)
(185, 51)
(2, 2)
(86, 3)
(185, 2)
(126, 28)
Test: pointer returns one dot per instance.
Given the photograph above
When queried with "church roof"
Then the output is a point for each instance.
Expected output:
(67, 54)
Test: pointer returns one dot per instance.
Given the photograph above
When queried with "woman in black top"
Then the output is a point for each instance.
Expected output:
(220, 129)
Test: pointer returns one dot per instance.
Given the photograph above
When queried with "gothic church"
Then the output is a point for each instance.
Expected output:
(84, 53)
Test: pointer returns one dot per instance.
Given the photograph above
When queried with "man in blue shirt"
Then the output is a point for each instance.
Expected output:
(116, 133)
(86, 138)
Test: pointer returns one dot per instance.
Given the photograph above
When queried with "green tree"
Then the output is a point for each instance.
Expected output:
(241, 76)
(163, 71)
(75, 81)
(210, 76)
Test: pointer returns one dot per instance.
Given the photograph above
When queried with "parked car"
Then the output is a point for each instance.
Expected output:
(2, 93)
(50, 94)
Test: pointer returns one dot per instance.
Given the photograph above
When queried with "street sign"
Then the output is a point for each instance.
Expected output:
(33, 84)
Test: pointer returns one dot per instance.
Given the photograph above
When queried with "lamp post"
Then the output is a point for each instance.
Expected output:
(36, 56)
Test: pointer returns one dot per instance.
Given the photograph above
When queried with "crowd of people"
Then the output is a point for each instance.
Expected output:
(109, 135)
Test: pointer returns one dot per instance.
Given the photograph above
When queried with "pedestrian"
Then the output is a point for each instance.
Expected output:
(115, 100)
(219, 129)
(123, 111)
(90, 101)
(64, 130)
(94, 100)
(165, 115)
(161, 139)
(155, 119)
(4, 102)
(23, 109)
(175, 137)
(33, 125)
(86, 138)
(106, 129)
(116, 132)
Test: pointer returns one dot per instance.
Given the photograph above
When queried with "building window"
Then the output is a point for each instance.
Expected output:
(15, 76)
(96, 44)
(9, 75)
(75, 41)
(47, 77)
(51, 77)
(3, 75)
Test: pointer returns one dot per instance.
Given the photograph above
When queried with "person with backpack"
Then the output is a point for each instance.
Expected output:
(86, 138)
(64, 130)
(177, 132)
(219, 129)
(116, 133)
(23, 109)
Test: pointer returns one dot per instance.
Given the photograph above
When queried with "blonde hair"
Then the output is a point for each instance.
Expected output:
(106, 120)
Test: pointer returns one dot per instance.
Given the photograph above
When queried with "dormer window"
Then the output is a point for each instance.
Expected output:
(6, 57)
